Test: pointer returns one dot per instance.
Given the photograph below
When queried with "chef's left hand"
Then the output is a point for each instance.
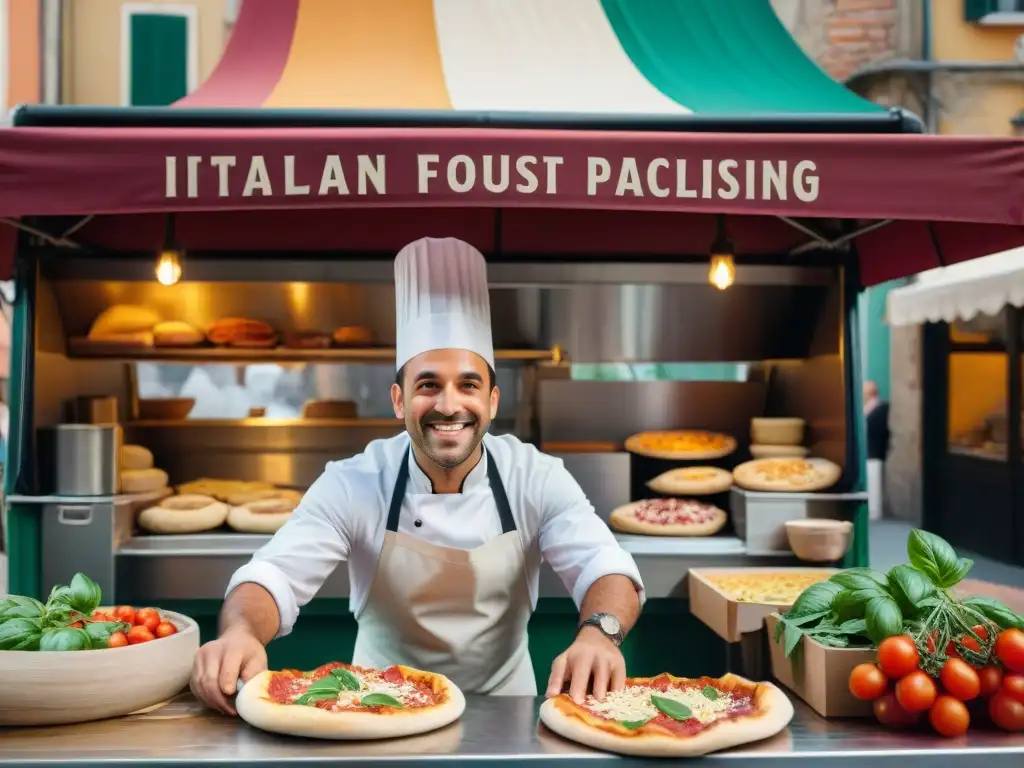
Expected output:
(591, 654)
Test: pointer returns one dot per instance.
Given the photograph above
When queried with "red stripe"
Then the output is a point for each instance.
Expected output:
(253, 59)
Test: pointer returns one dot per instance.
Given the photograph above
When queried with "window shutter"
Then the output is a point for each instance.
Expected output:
(975, 10)
(159, 59)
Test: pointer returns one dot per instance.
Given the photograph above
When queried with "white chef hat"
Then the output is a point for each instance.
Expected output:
(441, 299)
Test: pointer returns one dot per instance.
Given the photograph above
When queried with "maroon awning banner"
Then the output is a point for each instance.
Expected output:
(52, 171)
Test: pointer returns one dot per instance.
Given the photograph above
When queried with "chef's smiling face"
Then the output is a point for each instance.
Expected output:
(447, 398)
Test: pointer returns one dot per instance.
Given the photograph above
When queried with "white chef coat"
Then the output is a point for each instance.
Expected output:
(342, 517)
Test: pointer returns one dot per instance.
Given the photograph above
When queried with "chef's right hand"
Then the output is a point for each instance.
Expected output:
(219, 664)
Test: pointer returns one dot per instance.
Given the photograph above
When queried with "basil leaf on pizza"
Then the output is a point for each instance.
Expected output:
(634, 724)
(379, 700)
(346, 680)
(672, 708)
(710, 693)
(312, 697)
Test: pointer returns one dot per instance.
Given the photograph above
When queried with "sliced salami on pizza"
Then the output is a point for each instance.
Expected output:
(668, 517)
(669, 716)
(681, 444)
(692, 481)
(341, 701)
(792, 475)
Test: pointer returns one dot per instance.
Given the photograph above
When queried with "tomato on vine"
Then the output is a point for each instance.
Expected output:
(949, 716)
(960, 680)
(1013, 686)
(991, 679)
(867, 682)
(897, 656)
(916, 692)
(890, 713)
(1006, 712)
(1009, 649)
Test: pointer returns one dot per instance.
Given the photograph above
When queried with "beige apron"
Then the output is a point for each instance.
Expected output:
(461, 613)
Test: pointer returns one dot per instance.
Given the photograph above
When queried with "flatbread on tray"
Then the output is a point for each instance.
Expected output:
(681, 444)
(668, 517)
(669, 716)
(342, 701)
(787, 475)
(692, 481)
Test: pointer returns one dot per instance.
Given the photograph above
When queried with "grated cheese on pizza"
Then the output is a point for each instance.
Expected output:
(781, 587)
(389, 682)
(633, 703)
(787, 469)
(673, 511)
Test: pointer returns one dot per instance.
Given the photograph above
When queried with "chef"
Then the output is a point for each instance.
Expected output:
(443, 527)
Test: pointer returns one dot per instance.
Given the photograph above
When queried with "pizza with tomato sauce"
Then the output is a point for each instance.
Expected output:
(669, 716)
(793, 475)
(341, 701)
(668, 517)
(681, 444)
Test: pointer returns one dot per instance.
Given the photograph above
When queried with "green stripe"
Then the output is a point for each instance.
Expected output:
(722, 58)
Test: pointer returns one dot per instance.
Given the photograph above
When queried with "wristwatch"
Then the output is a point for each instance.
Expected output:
(607, 623)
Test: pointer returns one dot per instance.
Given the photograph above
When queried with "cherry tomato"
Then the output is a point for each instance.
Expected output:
(1006, 712)
(165, 629)
(991, 679)
(1013, 686)
(960, 680)
(125, 613)
(949, 716)
(148, 618)
(916, 692)
(1010, 649)
(969, 641)
(897, 656)
(76, 625)
(101, 616)
(139, 634)
(867, 682)
(889, 712)
(117, 640)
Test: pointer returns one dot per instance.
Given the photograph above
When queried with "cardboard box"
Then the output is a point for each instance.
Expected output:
(820, 675)
(729, 618)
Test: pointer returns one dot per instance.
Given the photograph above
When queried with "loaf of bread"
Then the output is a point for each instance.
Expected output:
(143, 480)
(353, 336)
(176, 333)
(122, 319)
(136, 457)
(241, 332)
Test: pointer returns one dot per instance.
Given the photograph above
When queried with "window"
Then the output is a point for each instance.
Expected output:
(978, 404)
(158, 53)
(994, 12)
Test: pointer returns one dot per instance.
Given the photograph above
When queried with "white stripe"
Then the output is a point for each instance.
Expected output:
(540, 56)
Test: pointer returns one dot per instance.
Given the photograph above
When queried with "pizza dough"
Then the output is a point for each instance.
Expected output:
(681, 445)
(777, 431)
(792, 475)
(222, 489)
(668, 517)
(672, 717)
(426, 702)
(778, 451)
(247, 497)
(191, 513)
(263, 516)
(177, 333)
(692, 481)
(143, 480)
(134, 457)
(123, 320)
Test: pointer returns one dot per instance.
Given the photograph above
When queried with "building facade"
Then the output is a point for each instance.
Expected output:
(20, 53)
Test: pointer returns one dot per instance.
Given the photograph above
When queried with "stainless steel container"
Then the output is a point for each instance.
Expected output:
(81, 459)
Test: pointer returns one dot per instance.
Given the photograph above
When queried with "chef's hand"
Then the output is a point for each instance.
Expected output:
(591, 654)
(221, 662)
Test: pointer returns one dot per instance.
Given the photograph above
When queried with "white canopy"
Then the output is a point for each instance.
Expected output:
(960, 291)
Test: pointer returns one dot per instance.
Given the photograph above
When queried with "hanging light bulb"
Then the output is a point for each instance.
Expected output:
(722, 269)
(168, 267)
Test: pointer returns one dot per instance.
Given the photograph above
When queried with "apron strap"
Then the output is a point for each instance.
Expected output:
(508, 523)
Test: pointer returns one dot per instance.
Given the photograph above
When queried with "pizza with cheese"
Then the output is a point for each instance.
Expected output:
(681, 445)
(692, 481)
(771, 587)
(342, 701)
(668, 517)
(669, 716)
(787, 474)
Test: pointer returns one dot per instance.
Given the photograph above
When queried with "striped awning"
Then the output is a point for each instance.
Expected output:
(582, 56)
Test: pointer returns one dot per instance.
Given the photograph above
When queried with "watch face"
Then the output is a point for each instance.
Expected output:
(609, 625)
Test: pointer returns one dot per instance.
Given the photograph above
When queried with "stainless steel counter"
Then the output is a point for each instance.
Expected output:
(492, 729)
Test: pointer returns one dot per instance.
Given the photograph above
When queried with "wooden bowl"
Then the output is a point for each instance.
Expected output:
(58, 687)
(777, 431)
(165, 408)
(819, 540)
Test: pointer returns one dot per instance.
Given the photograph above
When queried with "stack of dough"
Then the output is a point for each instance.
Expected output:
(125, 324)
(189, 513)
(777, 438)
(138, 475)
(223, 490)
(262, 511)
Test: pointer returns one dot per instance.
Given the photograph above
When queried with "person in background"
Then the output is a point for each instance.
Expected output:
(876, 416)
